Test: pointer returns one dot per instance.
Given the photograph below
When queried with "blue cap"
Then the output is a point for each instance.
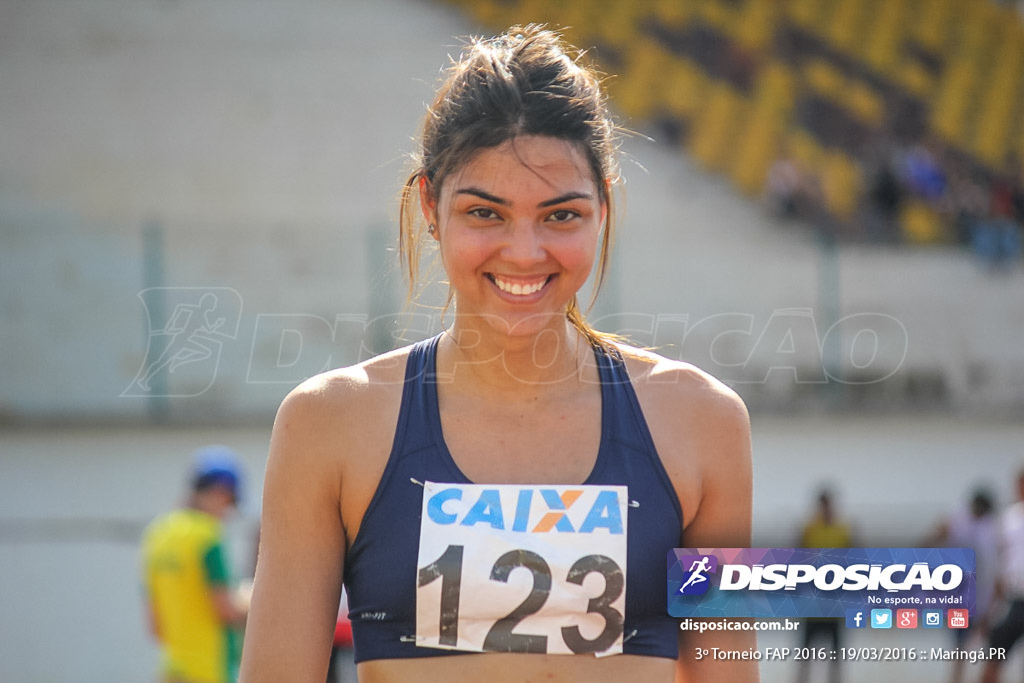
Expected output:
(217, 465)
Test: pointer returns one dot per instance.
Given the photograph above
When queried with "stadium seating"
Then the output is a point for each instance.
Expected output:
(836, 82)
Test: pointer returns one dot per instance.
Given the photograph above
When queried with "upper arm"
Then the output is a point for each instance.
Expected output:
(722, 520)
(702, 432)
(298, 577)
(722, 517)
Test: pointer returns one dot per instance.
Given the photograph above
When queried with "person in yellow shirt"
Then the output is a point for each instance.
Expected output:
(824, 530)
(193, 612)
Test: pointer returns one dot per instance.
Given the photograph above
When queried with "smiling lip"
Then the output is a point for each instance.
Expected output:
(520, 287)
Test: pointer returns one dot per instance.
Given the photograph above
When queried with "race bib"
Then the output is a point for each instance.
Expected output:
(515, 568)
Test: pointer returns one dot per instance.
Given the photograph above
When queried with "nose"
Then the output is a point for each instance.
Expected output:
(524, 244)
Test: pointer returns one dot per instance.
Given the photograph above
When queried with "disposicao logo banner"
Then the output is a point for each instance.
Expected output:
(816, 582)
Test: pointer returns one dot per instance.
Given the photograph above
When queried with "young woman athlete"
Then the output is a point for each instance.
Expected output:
(500, 500)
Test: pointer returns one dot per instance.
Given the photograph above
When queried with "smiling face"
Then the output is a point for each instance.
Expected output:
(519, 227)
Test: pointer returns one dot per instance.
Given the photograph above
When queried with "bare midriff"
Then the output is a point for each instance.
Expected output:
(520, 668)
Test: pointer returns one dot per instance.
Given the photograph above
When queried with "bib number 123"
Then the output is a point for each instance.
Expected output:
(540, 582)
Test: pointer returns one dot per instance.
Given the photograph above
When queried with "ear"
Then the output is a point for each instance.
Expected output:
(428, 204)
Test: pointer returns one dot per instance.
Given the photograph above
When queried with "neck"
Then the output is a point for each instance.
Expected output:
(555, 356)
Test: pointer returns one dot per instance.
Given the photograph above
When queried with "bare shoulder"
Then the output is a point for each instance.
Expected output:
(330, 442)
(701, 431)
(346, 396)
(343, 415)
(666, 386)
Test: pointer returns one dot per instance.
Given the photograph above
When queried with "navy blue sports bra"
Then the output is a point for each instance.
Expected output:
(380, 568)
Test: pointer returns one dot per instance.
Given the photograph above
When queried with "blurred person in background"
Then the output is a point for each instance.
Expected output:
(969, 202)
(997, 239)
(885, 195)
(1009, 589)
(824, 530)
(195, 614)
(342, 664)
(513, 187)
(974, 526)
(785, 189)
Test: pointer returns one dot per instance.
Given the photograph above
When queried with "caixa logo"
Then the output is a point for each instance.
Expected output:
(529, 509)
(696, 580)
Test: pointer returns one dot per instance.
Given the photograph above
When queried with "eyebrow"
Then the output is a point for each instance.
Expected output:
(567, 197)
(487, 196)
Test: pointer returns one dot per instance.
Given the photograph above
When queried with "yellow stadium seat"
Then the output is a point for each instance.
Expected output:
(757, 24)
(716, 14)
(617, 22)
(974, 31)
(846, 28)
(757, 149)
(575, 18)
(776, 88)
(685, 88)
(950, 106)
(807, 13)
(865, 103)
(713, 136)
(642, 86)
(495, 15)
(825, 79)
(1001, 95)
(931, 30)
(535, 11)
(885, 39)
(913, 76)
(841, 183)
(673, 13)
(806, 149)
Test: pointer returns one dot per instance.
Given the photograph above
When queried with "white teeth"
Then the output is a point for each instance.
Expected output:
(517, 288)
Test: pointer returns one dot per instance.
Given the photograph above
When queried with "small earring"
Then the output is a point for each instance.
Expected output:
(431, 229)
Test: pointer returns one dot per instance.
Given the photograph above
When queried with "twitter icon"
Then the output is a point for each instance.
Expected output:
(881, 618)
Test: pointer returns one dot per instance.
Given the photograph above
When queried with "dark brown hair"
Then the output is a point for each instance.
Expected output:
(524, 82)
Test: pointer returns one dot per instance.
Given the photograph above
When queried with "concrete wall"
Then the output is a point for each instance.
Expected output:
(263, 143)
(153, 153)
(73, 503)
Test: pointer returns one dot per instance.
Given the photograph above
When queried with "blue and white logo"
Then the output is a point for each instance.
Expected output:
(856, 618)
(695, 580)
(817, 582)
(881, 618)
(932, 618)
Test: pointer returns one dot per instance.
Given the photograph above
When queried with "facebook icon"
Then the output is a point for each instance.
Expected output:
(855, 618)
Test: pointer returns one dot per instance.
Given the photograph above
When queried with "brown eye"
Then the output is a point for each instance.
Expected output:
(484, 213)
(563, 215)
